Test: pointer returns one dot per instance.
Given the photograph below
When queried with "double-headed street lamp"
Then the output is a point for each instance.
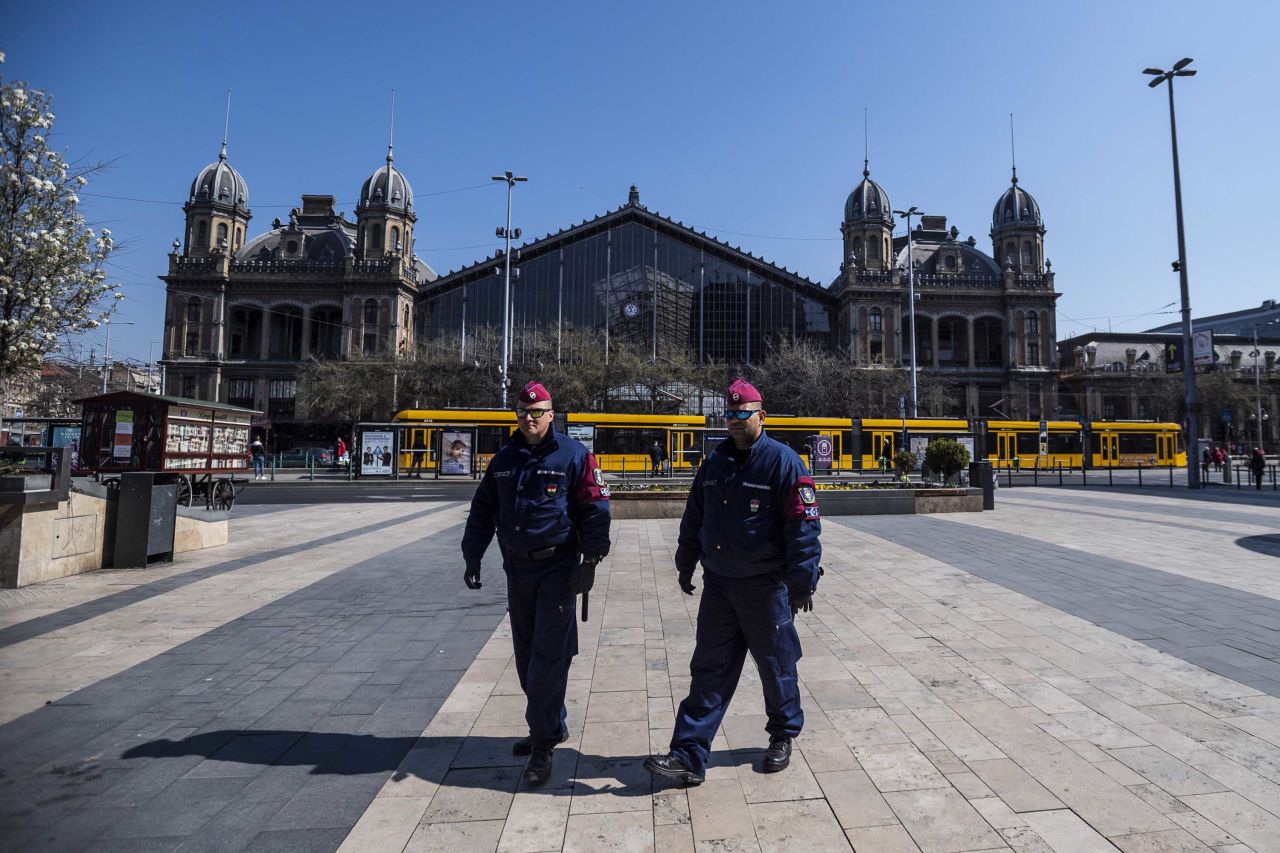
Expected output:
(1188, 357)
(106, 351)
(911, 301)
(511, 180)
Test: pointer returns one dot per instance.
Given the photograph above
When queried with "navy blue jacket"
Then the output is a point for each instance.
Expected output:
(536, 497)
(753, 513)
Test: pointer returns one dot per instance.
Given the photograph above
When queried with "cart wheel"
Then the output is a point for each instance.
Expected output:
(224, 494)
(184, 490)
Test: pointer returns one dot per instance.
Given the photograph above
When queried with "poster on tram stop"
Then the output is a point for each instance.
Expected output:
(376, 451)
(455, 452)
(822, 452)
(583, 433)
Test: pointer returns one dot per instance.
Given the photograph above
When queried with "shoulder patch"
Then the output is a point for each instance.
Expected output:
(807, 496)
(598, 476)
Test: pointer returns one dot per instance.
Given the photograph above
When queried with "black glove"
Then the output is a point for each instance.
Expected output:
(801, 601)
(686, 582)
(583, 576)
(471, 577)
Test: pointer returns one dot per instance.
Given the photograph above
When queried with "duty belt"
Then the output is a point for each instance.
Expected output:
(540, 554)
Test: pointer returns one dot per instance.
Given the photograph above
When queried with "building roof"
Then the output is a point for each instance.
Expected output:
(868, 201)
(1015, 207)
(388, 187)
(219, 183)
(927, 244)
(325, 234)
(1233, 322)
(634, 211)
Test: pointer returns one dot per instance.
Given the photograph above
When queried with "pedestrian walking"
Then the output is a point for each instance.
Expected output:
(1257, 467)
(1206, 459)
(339, 458)
(545, 496)
(655, 458)
(752, 519)
(258, 456)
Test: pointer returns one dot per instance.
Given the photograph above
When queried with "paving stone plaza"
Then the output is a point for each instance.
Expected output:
(1080, 670)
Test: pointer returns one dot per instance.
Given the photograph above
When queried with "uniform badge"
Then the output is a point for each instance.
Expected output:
(755, 506)
(598, 476)
(552, 489)
(807, 497)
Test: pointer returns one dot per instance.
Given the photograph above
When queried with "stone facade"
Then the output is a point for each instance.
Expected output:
(242, 317)
(985, 330)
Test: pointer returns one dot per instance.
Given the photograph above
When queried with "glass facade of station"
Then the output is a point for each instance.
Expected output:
(662, 289)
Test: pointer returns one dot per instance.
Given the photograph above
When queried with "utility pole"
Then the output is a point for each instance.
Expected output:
(510, 179)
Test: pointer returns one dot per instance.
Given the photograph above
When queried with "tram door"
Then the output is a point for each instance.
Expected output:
(882, 448)
(1109, 443)
(1166, 452)
(1006, 448)
(681, 451)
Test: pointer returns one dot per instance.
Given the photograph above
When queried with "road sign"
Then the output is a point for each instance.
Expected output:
(1225, 416)
(902, 405)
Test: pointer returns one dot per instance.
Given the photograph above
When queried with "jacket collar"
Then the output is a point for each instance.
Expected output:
(548, 444)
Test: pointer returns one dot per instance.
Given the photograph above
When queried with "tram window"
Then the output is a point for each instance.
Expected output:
(1064, 442)
(1138, 442)
(846, 442)
(489, 439)
(993, 444)
(628, 440)
(795, 439)
(1028, 443)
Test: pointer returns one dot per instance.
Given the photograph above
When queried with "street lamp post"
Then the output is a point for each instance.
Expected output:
(106, 351)
(510, 179)
(1188, 358)
(911, 302)
(1257, 377)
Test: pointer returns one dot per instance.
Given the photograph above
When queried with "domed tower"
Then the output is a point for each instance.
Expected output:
(384, 214)
(867, 227)
(1017, 232)
(217, 209)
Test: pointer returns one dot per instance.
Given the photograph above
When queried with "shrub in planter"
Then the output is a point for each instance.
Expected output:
(904, 462)
(947, 457)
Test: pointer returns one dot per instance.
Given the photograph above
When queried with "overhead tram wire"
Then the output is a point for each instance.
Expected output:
(291, 205)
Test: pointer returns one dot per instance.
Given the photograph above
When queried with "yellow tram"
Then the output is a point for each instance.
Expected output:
(622, 442)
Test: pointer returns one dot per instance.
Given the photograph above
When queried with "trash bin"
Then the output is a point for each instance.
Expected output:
(146, 515)
(982, 476)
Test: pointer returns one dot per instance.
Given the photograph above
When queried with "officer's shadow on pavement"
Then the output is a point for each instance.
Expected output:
(459, 762)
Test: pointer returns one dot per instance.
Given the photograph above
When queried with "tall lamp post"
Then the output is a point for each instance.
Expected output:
(510, 179)
(1257, 376)
(911, 302)
(1188, 357)
(106, 351)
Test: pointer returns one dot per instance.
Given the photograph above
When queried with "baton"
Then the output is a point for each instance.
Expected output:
(586, 603)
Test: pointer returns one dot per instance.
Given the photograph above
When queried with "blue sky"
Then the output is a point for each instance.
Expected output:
(741, 117)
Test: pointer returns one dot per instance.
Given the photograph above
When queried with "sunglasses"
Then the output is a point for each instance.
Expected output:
(532, 413)
(739, 414)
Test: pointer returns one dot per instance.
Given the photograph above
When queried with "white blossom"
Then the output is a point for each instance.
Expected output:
(51, 279)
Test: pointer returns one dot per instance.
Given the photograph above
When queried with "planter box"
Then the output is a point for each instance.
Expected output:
(831, 502)
(24, 483)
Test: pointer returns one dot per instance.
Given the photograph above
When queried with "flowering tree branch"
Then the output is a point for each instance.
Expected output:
(51, 278)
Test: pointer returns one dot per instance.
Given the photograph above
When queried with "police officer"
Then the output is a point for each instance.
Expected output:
(752, 519)
(545, 496)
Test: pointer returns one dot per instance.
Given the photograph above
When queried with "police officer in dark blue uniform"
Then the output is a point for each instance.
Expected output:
(545, 496)
(752, 519)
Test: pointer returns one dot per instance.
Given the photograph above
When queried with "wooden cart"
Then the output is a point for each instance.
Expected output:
(199, 444)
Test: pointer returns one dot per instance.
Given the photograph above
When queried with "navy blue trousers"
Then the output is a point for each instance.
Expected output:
(736, 616)
(545, 635)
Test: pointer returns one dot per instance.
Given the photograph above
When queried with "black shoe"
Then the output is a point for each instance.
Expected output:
(672, 767)
(524, 746)
(778, 755)
(538, 770)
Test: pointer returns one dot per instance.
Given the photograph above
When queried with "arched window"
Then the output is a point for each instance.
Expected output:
(1033, 325)
(873, 250)
(857, 248)
(875, 321)
(1033, 339)
(202, 233)
(375, 237)
(370, 327)
(239, 237)
(887, 251)
(1026, 254)
(193, 310)
(395, 238)
(1010, 252)
(222, 233)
